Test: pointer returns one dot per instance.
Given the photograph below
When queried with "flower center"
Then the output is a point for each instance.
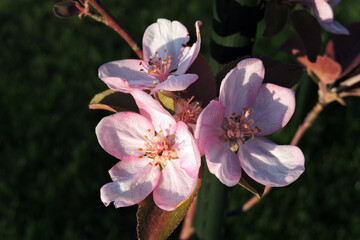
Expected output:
(239, 127)
(159, 67)
(159, 149)
(187, 111)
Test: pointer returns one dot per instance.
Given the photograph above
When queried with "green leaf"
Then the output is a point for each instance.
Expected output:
(251, 185)
(275, 18)
(167, 101)
(113, 101)
(155, 223)
(309, 32)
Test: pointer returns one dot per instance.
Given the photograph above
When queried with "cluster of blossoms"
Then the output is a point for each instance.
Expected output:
(158, 152)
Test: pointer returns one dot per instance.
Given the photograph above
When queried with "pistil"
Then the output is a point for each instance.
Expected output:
(239, 127)
(187, 111)
(159, 67)
(159, 149)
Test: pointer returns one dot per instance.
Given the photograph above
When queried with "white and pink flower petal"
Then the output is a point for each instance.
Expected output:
(272, 108)
(324, 13)
(240, 86)
(121, 134)
(323, 10)
(222, 161)
(176, 83)
(209, 123)
(174, 187)
(189, 54)
(271, 164)
(118, 84)
(154, 112)
(187, 151)
(133, 182)
(164, 37)
(129, 69)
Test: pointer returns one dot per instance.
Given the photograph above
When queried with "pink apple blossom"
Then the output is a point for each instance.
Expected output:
(325, 15)
(166, 60)
(158, 155)
(230, 131)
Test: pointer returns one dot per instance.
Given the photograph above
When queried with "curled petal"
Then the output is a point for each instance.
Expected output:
(222, 161)
(133, 182)
(324, 13)
(187, 150)
(323, 10)
(154, 112)
(174, 187)
(271, 164)
(240, 86)
(272, 108)
(165, 35)
(209, 123)
(189, 54)
(121, 134)
(335, 27)
(176, 83)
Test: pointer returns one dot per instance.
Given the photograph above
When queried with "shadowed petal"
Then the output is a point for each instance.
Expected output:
(133, 182)
(240, 85)
(154, 112)
(335, 27)
(163, 35)
(118, 84)
(128, 69)
(271, 164)
(176, 83)
(121, 134)
(189, 54)
(174, 186)
(209, 123)
(325, 16)
(334, 3)
(185, 146)
(222, 161)
(272, 108)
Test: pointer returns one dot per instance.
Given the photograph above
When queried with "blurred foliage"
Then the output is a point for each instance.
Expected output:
(51, 166)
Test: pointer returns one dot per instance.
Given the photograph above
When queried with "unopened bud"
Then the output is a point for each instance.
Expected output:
(66, 9)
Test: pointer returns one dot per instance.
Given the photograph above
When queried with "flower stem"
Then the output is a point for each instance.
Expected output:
(319, 106)
(307, 122)
(115, 25)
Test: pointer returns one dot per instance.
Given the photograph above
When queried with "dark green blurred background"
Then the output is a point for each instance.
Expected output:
(51, 166)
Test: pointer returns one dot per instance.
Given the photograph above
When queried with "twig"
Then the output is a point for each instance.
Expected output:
(187, 229)
(115, 25)
(307, 122)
